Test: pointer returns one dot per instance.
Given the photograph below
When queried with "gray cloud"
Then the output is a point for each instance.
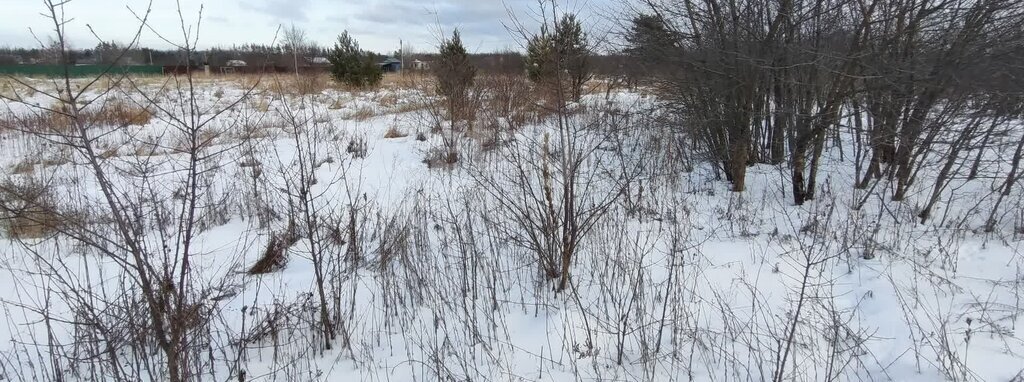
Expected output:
(290, 10)
(377, 24)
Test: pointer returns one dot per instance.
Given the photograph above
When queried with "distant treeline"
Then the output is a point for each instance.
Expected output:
(264, 56)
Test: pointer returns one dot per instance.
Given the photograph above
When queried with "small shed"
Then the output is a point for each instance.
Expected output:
(420, 65)
(391, 65)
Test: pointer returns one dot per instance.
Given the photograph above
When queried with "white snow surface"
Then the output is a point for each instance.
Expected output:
(693, 282)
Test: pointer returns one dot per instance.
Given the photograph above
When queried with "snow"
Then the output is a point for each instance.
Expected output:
(701, 284)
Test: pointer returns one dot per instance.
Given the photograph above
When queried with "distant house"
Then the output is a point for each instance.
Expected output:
(236, 63)
(391, 65)
(318, 61)
(11, 59)
(420, 65)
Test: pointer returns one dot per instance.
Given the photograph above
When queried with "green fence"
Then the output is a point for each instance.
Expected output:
(76, 70)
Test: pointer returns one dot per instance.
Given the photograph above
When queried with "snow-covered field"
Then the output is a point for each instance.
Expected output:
(427, 273)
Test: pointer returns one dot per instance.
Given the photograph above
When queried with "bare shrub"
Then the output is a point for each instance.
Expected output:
(357, 147)
(508, 97)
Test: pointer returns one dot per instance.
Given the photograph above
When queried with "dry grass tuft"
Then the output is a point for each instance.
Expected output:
(28, 165)
(28, 210)
(440, 157)
(274, 257)
(337, 103)
(310, 84)
(122, 113)
(388, 100)
(147, 150)
(109, 153)
(58, 119)
(304, 84)
(423, 81)
(11, 89)
(361, 114)
(394, 132)
(409, 107)
(23, 167)
(261, 105)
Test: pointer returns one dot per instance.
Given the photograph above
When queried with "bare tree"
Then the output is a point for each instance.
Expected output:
(295, 40)
(153, 227)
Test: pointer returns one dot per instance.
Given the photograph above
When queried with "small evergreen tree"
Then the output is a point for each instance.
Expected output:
(540, 57)
(573, 51)
(561, 59)
(351, 65)
(455, 76)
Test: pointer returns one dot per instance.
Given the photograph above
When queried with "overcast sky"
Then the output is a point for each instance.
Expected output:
(377, 24)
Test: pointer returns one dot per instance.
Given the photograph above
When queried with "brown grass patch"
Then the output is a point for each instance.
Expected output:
(109, 153)
(59, 118)
(303, 84)
(409, 80)
(393, 133)
(28, 210)
(274, 257)
(23, 167)
(11, 89)
(409, 107)
(122, 113)
(310, 84)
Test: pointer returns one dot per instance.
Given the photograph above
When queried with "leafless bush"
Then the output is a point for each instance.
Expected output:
(508, 101)
(357, 147)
